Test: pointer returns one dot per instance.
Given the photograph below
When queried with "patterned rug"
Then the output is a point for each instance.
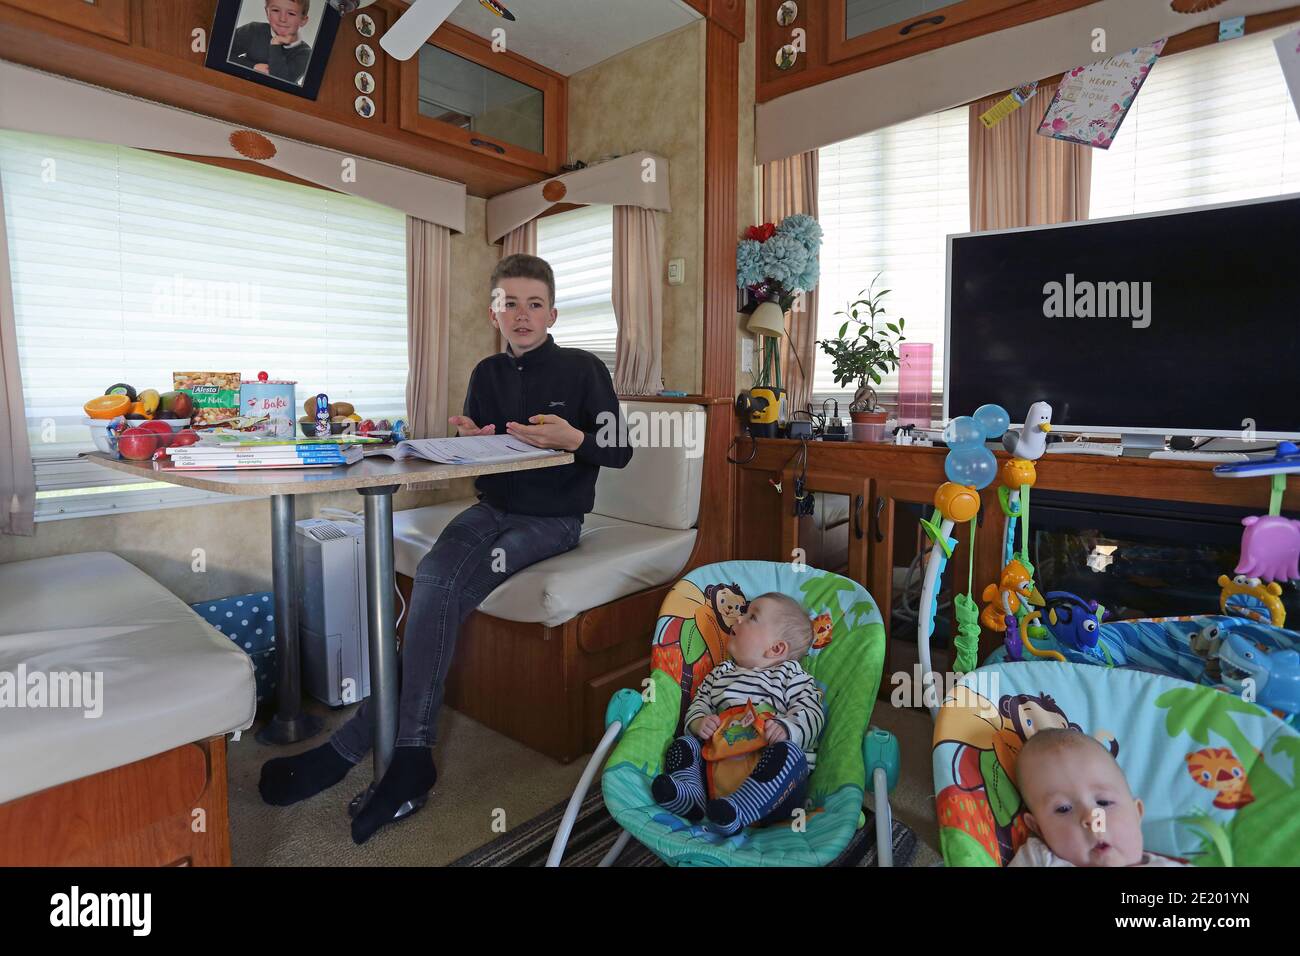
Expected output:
(595, 831)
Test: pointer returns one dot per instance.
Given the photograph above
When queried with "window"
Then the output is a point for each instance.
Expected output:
(129, 266)
(579, 245)
(1213, 125)
(887, 203)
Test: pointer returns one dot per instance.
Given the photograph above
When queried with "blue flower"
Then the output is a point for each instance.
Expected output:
(805, 229)
(749, 263)
(807, 280)
(784, 258)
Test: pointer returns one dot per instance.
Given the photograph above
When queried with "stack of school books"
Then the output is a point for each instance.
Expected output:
(287, 454)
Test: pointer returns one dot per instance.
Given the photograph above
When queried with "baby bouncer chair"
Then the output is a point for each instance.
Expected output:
(846, 659)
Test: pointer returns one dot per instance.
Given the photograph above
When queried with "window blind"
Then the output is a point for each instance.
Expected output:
(1212, 125)
(887, 202)
(129, 266)
(579, 245)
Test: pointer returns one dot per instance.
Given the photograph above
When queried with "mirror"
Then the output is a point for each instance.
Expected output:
(472, 97)
(865, 16)
(824, 535)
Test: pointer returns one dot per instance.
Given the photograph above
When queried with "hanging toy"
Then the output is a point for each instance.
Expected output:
(1030, 442)
(1004, 599)
(1270, 545)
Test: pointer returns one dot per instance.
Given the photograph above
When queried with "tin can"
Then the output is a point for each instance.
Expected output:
(262, 397)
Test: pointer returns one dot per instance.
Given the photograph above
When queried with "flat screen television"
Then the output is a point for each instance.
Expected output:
(1173, 323)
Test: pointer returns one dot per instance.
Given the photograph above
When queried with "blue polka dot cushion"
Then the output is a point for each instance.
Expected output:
(249, 621)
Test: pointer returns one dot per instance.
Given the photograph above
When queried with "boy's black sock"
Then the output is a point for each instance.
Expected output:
(286, 780)
(410, 776)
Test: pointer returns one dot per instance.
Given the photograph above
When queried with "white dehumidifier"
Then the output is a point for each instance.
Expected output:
(332, 610)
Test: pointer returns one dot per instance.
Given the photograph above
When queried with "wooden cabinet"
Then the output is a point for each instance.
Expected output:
(862, 26)
(459, 91)
(835, 38)
(107, 18)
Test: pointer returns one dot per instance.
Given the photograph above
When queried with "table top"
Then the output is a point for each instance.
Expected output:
(372, 472)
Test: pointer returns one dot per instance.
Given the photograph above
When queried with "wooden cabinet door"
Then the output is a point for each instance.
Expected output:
(863, 26)
(900, 549)
(834, 537)
(108, 18)
(496, 104)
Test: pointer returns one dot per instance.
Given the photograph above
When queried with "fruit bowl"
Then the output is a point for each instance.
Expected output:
(100, 429)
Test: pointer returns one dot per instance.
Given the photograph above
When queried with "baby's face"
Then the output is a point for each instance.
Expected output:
(752, 637)
(1081, 806)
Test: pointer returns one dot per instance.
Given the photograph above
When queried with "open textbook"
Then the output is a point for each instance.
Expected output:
(475, 450)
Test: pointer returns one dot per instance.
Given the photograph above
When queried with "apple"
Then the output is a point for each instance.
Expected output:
(137, 444)
(187, 436)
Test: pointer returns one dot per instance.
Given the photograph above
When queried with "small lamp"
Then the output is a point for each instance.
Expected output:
(768, 319)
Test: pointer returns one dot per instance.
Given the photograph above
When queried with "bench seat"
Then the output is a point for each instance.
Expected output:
(168, 678)
(613, 559)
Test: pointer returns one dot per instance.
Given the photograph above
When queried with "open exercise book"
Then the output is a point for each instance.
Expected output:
(475, 450)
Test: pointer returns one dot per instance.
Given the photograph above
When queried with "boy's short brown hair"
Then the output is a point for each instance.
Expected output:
(522, 266)
(304, 6)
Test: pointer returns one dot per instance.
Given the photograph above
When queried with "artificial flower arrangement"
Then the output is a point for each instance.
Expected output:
(776, 262)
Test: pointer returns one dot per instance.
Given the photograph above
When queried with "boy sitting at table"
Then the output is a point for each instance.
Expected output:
(565, 395)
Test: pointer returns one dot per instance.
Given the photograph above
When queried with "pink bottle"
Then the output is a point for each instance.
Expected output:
(914, 395)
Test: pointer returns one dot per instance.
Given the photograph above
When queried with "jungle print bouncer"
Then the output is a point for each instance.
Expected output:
(1217, 775)
(846, 660)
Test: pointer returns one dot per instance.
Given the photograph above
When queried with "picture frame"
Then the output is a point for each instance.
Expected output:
(243, 43)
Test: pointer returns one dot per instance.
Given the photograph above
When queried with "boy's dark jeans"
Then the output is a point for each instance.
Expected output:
(451, 581)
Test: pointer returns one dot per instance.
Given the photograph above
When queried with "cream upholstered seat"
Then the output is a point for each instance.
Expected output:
(168, 678)
(639, 535)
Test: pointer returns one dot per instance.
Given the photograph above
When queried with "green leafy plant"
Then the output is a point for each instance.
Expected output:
(870, 351)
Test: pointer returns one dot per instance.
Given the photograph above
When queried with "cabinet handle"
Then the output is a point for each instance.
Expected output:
(932, 21)
(483, 142)
(857, 517)
(880, 506)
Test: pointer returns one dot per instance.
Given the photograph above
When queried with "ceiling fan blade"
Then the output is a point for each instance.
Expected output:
(405, 37)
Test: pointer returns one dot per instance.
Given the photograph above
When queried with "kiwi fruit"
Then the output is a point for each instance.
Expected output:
(342, 409)
(121, 388)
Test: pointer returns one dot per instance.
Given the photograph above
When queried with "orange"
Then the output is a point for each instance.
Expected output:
(107, 406)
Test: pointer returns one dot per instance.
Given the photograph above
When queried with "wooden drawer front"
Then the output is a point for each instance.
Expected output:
(601, 689)
(626, 620)
(108, 18)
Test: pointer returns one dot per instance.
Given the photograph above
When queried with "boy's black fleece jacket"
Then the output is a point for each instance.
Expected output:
(549, 380)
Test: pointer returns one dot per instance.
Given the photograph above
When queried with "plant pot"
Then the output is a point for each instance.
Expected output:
(869, 426)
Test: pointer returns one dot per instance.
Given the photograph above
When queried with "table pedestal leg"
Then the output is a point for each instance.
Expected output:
(290, 724)
(381, 586)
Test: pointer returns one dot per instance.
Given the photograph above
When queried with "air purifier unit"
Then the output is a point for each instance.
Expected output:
(335, 637)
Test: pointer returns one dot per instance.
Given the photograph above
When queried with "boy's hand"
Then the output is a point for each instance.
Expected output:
(547, 431)
(262, 68)
(465, 427)
(774, 733)
(706, 727)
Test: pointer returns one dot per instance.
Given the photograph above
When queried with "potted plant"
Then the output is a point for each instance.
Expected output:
(866, 353)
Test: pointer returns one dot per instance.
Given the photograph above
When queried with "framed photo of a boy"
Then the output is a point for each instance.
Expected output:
(283, 44)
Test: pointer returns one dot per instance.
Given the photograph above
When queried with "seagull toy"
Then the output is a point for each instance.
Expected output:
(1030, 442)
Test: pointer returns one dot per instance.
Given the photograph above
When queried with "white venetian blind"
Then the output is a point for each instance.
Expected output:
(1212, 125)
(129, 266)
(887, 201)
(579, 245)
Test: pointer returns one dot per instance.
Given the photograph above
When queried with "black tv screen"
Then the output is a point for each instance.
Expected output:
(1183, 322)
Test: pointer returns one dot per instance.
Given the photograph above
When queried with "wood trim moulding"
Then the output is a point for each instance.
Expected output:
(728, 14)
(721, 144)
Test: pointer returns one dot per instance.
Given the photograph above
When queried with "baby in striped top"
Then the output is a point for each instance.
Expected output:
(765, 648)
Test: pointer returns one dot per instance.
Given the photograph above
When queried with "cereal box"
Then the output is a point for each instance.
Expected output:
(215, 395)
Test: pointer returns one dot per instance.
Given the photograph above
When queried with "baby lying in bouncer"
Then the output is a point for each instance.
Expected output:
(1079, 805)
(751, 728)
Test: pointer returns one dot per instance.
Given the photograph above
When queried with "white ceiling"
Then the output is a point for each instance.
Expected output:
(570, 35)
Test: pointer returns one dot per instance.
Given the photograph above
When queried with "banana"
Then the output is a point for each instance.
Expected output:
(150, 399)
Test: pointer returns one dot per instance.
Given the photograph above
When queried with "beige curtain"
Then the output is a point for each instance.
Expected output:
(789, 187)
(428, 326)
(1018, 178)
(638, 301)
(17, 480)
(522, 241)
